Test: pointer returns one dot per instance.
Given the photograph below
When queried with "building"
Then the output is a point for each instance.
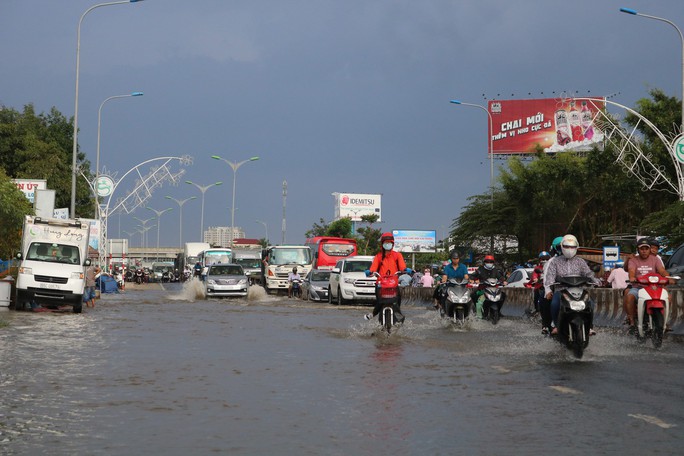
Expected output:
(219, 236)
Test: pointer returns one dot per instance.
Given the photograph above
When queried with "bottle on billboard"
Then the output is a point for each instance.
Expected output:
(575, 120)
(587, 124)
(563, 135)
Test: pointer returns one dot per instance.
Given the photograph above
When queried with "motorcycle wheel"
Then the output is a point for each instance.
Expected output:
(658, 327)
(577, 341)
(494, 314)
(387, 312)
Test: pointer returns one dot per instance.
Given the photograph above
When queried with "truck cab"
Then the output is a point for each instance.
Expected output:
(277, 263)
(53, 258)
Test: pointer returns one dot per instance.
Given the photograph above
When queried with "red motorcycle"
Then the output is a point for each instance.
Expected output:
(653, 307)
(388, 295)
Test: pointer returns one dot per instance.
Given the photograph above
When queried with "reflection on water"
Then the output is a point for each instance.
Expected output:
(166, 371)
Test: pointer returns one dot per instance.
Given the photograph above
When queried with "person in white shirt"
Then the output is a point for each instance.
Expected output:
(618, 277)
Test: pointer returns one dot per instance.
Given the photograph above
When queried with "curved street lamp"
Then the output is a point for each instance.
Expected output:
(74, 154)
(265, 227)
(681, 37)
(235, 167)
(180, 225)
(491, 144)
(159, 214)
(203, 189)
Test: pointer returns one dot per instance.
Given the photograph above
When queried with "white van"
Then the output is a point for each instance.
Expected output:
(53, 257)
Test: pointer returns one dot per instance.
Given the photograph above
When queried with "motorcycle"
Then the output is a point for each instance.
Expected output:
(388, 296)
(492, 299)
(296, 288)
(576, 313)
(653, 307)
(457, 302)
(139, 276)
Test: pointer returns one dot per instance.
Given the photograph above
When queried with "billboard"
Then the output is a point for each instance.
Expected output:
(29, 187)
(415, 241)
(554, 124)
(356, 205)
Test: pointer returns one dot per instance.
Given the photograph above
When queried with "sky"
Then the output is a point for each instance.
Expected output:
(333, 96)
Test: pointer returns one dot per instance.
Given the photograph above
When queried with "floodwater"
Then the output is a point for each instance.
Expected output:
(167, 372)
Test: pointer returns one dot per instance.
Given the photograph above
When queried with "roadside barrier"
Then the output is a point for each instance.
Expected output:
(608, 304)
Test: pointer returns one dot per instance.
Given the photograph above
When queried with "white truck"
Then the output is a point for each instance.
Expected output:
(278, 262)
(250, 260)
(191, 254)
(53, 258)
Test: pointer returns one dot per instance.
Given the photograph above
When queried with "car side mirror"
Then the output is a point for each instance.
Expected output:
(19, 256)
(336, 270)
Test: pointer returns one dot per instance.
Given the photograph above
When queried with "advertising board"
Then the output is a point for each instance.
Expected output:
(415, 241)
(29, 187)
(356, 205)
(552, 124)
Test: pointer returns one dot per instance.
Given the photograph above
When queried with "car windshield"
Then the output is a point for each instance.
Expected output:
(320, 276)
(296, 255)
(54, 253)
(357, 266)
(228, 269)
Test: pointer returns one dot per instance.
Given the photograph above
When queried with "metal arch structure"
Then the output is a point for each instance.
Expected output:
(631, 157)
(145, 184)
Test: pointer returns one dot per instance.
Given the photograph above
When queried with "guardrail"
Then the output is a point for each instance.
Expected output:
(608, 310)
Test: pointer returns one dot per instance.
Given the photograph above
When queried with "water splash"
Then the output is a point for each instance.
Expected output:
(192, 291)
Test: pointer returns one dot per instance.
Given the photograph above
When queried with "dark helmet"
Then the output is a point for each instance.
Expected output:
(454, 255)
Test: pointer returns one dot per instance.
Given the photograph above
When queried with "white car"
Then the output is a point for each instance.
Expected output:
(348, 281)
(519, 277)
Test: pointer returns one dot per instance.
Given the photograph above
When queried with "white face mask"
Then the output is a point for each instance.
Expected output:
(387, 246)
(569, 253)
(489, 266)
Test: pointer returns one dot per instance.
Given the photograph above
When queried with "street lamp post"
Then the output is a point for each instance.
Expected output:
(159, 214)
(491, 144)
(74, 154)
(203, 189)
(681, 37)
(265, 228)
(235, 167)
(143, 238)
(180, 206)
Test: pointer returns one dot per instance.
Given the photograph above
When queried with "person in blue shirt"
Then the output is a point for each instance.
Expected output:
(453, 270)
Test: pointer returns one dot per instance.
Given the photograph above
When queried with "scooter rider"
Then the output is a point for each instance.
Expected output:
(487, 270)
(387, 262)
(290, 278)
(567, 264)
(453, 270)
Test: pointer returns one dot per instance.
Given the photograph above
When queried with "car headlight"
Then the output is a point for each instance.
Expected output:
(242, 281)
(77, 275)
(349, 280)
(27, 271)
(318, 288)
(577, 305)
(211, 282)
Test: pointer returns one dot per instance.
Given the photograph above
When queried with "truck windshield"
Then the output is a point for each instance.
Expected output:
(248, 263)
(54, 253)
(294, 255)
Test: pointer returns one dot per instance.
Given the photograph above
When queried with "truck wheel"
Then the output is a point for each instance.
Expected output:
(78, 308)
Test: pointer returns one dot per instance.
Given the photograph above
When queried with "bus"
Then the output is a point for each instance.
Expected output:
(211, 256)
(327, 251)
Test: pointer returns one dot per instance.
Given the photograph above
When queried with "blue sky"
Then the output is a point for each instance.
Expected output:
(334, 96)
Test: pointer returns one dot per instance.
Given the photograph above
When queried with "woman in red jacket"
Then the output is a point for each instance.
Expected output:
(387, 262)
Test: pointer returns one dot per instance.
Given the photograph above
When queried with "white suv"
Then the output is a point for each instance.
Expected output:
(348, 281)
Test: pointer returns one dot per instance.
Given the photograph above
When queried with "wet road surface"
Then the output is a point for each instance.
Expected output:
(166, 372)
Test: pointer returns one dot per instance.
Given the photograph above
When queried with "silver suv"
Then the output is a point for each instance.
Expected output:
(348, 281)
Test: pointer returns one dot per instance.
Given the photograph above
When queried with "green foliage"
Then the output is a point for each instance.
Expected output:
(40, 147)
(13, 207)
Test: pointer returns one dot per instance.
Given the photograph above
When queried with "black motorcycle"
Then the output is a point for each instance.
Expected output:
(139, 276)
(576, 314)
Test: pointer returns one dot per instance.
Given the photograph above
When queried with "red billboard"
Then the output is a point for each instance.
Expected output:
(552, 124)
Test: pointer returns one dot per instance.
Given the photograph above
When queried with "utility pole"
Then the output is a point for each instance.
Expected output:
(284, 204)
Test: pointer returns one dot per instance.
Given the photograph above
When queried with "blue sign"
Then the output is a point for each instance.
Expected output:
(611, 255)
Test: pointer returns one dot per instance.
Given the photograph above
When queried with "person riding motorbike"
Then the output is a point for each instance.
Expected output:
(567, 264)
(644, 263)
(541, 304)
(488, 270)
(453, 270)
(386, 262)
(290, 278)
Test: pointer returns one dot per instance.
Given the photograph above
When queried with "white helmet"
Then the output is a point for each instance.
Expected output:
(569, 246)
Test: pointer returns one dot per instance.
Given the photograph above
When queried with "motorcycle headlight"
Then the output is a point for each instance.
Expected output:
(452, 295)
(577, 305)
(463, 299)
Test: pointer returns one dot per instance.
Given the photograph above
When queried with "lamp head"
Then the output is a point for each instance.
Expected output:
(628, 11)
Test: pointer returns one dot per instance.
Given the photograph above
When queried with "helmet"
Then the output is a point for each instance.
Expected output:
(569, 246)
(454, 254)
(620, 264)
(555, 245)
(544, 255)
(489, 261)
(653, 242)
(386, 237)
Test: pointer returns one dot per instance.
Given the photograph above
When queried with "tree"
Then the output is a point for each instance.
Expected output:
(369, 239)
(13, 207)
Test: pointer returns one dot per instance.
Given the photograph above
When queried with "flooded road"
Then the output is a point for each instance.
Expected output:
(163, 372)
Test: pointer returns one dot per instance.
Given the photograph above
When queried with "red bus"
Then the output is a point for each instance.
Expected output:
(326, 251)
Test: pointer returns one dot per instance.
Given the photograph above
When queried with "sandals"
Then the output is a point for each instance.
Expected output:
(592, 332)
(545, 331)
